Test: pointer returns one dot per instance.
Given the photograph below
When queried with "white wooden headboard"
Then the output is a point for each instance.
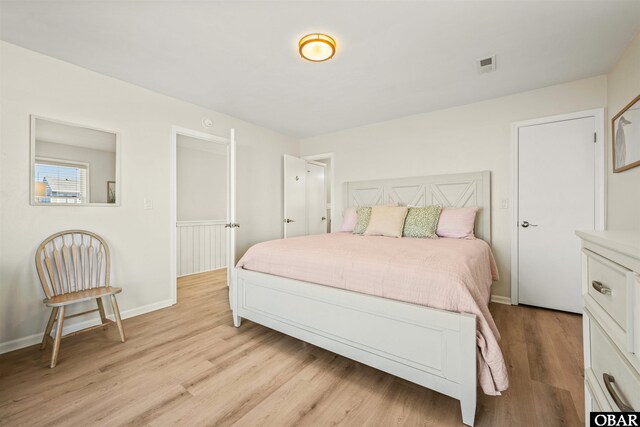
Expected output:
(454, 190)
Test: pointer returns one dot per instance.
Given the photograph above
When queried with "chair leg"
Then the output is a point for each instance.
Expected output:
(103, 316)
(47, 331)
(58, 338)
(116, 313)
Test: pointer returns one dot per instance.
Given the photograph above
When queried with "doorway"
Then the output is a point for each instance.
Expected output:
(307, 195)
(328, 161)
(202, 205)
(558, 184)
(316, 205)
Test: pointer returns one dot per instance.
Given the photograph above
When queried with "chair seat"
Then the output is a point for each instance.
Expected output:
(86, 295)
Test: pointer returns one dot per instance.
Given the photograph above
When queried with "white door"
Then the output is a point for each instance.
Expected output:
(295, 178)
(556, 196)
(316, 199)
(232, 225)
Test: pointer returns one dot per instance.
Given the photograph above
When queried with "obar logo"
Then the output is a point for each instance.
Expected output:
(621, 419)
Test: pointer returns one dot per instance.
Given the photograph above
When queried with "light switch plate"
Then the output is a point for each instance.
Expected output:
(148, 204)
(504, 204)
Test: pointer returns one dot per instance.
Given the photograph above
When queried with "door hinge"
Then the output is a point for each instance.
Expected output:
(595, 137)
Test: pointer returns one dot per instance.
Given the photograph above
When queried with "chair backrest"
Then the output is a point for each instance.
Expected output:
(72, 260)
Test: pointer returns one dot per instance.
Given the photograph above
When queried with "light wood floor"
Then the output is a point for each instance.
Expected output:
(188, 365)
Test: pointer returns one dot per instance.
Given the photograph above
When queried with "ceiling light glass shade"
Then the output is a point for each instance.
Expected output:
(317, 47)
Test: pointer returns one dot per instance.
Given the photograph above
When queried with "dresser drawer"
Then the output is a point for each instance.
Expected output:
(607, 285)
(606, 361)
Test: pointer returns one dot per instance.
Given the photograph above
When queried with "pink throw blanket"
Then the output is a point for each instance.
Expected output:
(449, 274)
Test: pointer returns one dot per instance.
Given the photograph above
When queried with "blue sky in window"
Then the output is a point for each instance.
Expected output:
(53, 171)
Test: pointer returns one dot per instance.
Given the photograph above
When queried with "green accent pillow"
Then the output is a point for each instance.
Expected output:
(362, 221)
(422, 222)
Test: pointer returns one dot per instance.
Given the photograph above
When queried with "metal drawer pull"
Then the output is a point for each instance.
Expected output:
(601, 288)
(608, 382)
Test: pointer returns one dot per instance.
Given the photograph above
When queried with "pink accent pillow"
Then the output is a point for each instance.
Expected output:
(349, 219)
(457, 223)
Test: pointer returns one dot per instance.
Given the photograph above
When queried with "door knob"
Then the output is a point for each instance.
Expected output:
(287, 220)
(324, 218)
(525, 224)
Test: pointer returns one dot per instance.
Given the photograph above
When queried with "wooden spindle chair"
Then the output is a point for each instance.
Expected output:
(73, 266)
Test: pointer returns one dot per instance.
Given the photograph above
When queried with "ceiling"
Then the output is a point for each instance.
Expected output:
(393, 58)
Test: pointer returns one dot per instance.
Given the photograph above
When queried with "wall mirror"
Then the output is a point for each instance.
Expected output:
(73, 164)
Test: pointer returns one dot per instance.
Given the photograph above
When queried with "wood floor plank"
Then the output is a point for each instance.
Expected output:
(552, 360)
(554, 406)
(188, 365)
(311, 386)
(515, 404)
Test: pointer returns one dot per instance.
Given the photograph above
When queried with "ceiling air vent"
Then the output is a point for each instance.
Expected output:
(486, 65)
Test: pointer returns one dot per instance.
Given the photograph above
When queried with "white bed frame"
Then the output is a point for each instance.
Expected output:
(427, 346)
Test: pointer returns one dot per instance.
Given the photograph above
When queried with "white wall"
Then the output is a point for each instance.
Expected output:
(102, 165)
(31, 83)
(201, 172)
(623, 85)
(469, 138)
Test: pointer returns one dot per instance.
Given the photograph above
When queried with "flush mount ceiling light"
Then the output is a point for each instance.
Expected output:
(317, 47)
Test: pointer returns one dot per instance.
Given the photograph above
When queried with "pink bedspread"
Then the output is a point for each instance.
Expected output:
(449, 274)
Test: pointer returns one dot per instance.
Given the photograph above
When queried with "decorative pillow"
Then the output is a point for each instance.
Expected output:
(349, 219)
(386, 221)
(457, 223)
(422, 222)
(362, 220)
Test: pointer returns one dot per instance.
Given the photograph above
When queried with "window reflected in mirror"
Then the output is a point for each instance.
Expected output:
(72, 164)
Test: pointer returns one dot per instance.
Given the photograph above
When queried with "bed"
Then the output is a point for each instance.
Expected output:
(432, 327)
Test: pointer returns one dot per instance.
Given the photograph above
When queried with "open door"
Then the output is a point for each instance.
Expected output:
(295, 209)
(231, 225)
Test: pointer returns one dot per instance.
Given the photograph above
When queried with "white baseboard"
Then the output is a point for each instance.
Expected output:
(499, 299)
(133, 312)
(19, 343)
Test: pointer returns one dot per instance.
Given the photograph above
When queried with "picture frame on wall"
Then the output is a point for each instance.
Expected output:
(111, 191)
(625, 129)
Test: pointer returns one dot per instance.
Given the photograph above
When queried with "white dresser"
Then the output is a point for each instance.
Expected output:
(611, 321)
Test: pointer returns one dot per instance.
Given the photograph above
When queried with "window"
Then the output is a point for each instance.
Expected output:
(60, 181)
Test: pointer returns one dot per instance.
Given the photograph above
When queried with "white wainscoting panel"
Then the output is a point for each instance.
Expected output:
(201, 246)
